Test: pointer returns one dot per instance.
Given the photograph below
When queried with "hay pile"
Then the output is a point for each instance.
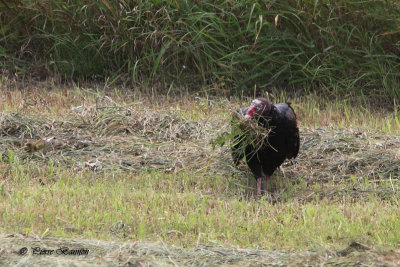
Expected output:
(114, 137)
(135, 138)
(339, 154)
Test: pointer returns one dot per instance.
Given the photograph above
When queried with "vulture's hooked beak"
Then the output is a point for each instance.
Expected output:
(250, 113)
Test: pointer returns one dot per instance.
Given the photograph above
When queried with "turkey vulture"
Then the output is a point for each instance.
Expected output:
(282, 141)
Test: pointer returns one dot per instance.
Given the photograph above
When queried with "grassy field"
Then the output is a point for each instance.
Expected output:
(84, 162)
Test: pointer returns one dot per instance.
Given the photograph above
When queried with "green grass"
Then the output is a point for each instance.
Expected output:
(343, 187)
(175, 208)
(332, 47)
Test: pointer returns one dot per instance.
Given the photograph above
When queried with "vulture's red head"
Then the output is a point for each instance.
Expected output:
(259, 107)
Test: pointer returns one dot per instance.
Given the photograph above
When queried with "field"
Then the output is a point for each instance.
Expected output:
(81, 163)
(114, 117)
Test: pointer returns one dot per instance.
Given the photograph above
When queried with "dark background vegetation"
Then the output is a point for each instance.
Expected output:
(332, 47)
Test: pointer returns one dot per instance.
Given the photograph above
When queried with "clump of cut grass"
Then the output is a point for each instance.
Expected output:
(245, 133)
(16, 124)
(249, 132)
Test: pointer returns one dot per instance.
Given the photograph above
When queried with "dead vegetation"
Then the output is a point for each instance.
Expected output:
(134, 137)
(339, 154)
(102, 253)
(245, 133)
(129, 137)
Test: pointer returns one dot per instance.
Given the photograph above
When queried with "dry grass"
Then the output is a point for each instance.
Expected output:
(134, 137)
(97, 131)
(130, 136)
(103, 253)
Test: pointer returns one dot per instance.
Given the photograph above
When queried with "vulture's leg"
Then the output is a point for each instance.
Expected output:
(259, 179)
(266, 183)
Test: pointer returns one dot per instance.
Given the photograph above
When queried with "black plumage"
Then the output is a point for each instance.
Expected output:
(282, 143)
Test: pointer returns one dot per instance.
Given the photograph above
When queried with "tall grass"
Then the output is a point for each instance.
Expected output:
(334, 46)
